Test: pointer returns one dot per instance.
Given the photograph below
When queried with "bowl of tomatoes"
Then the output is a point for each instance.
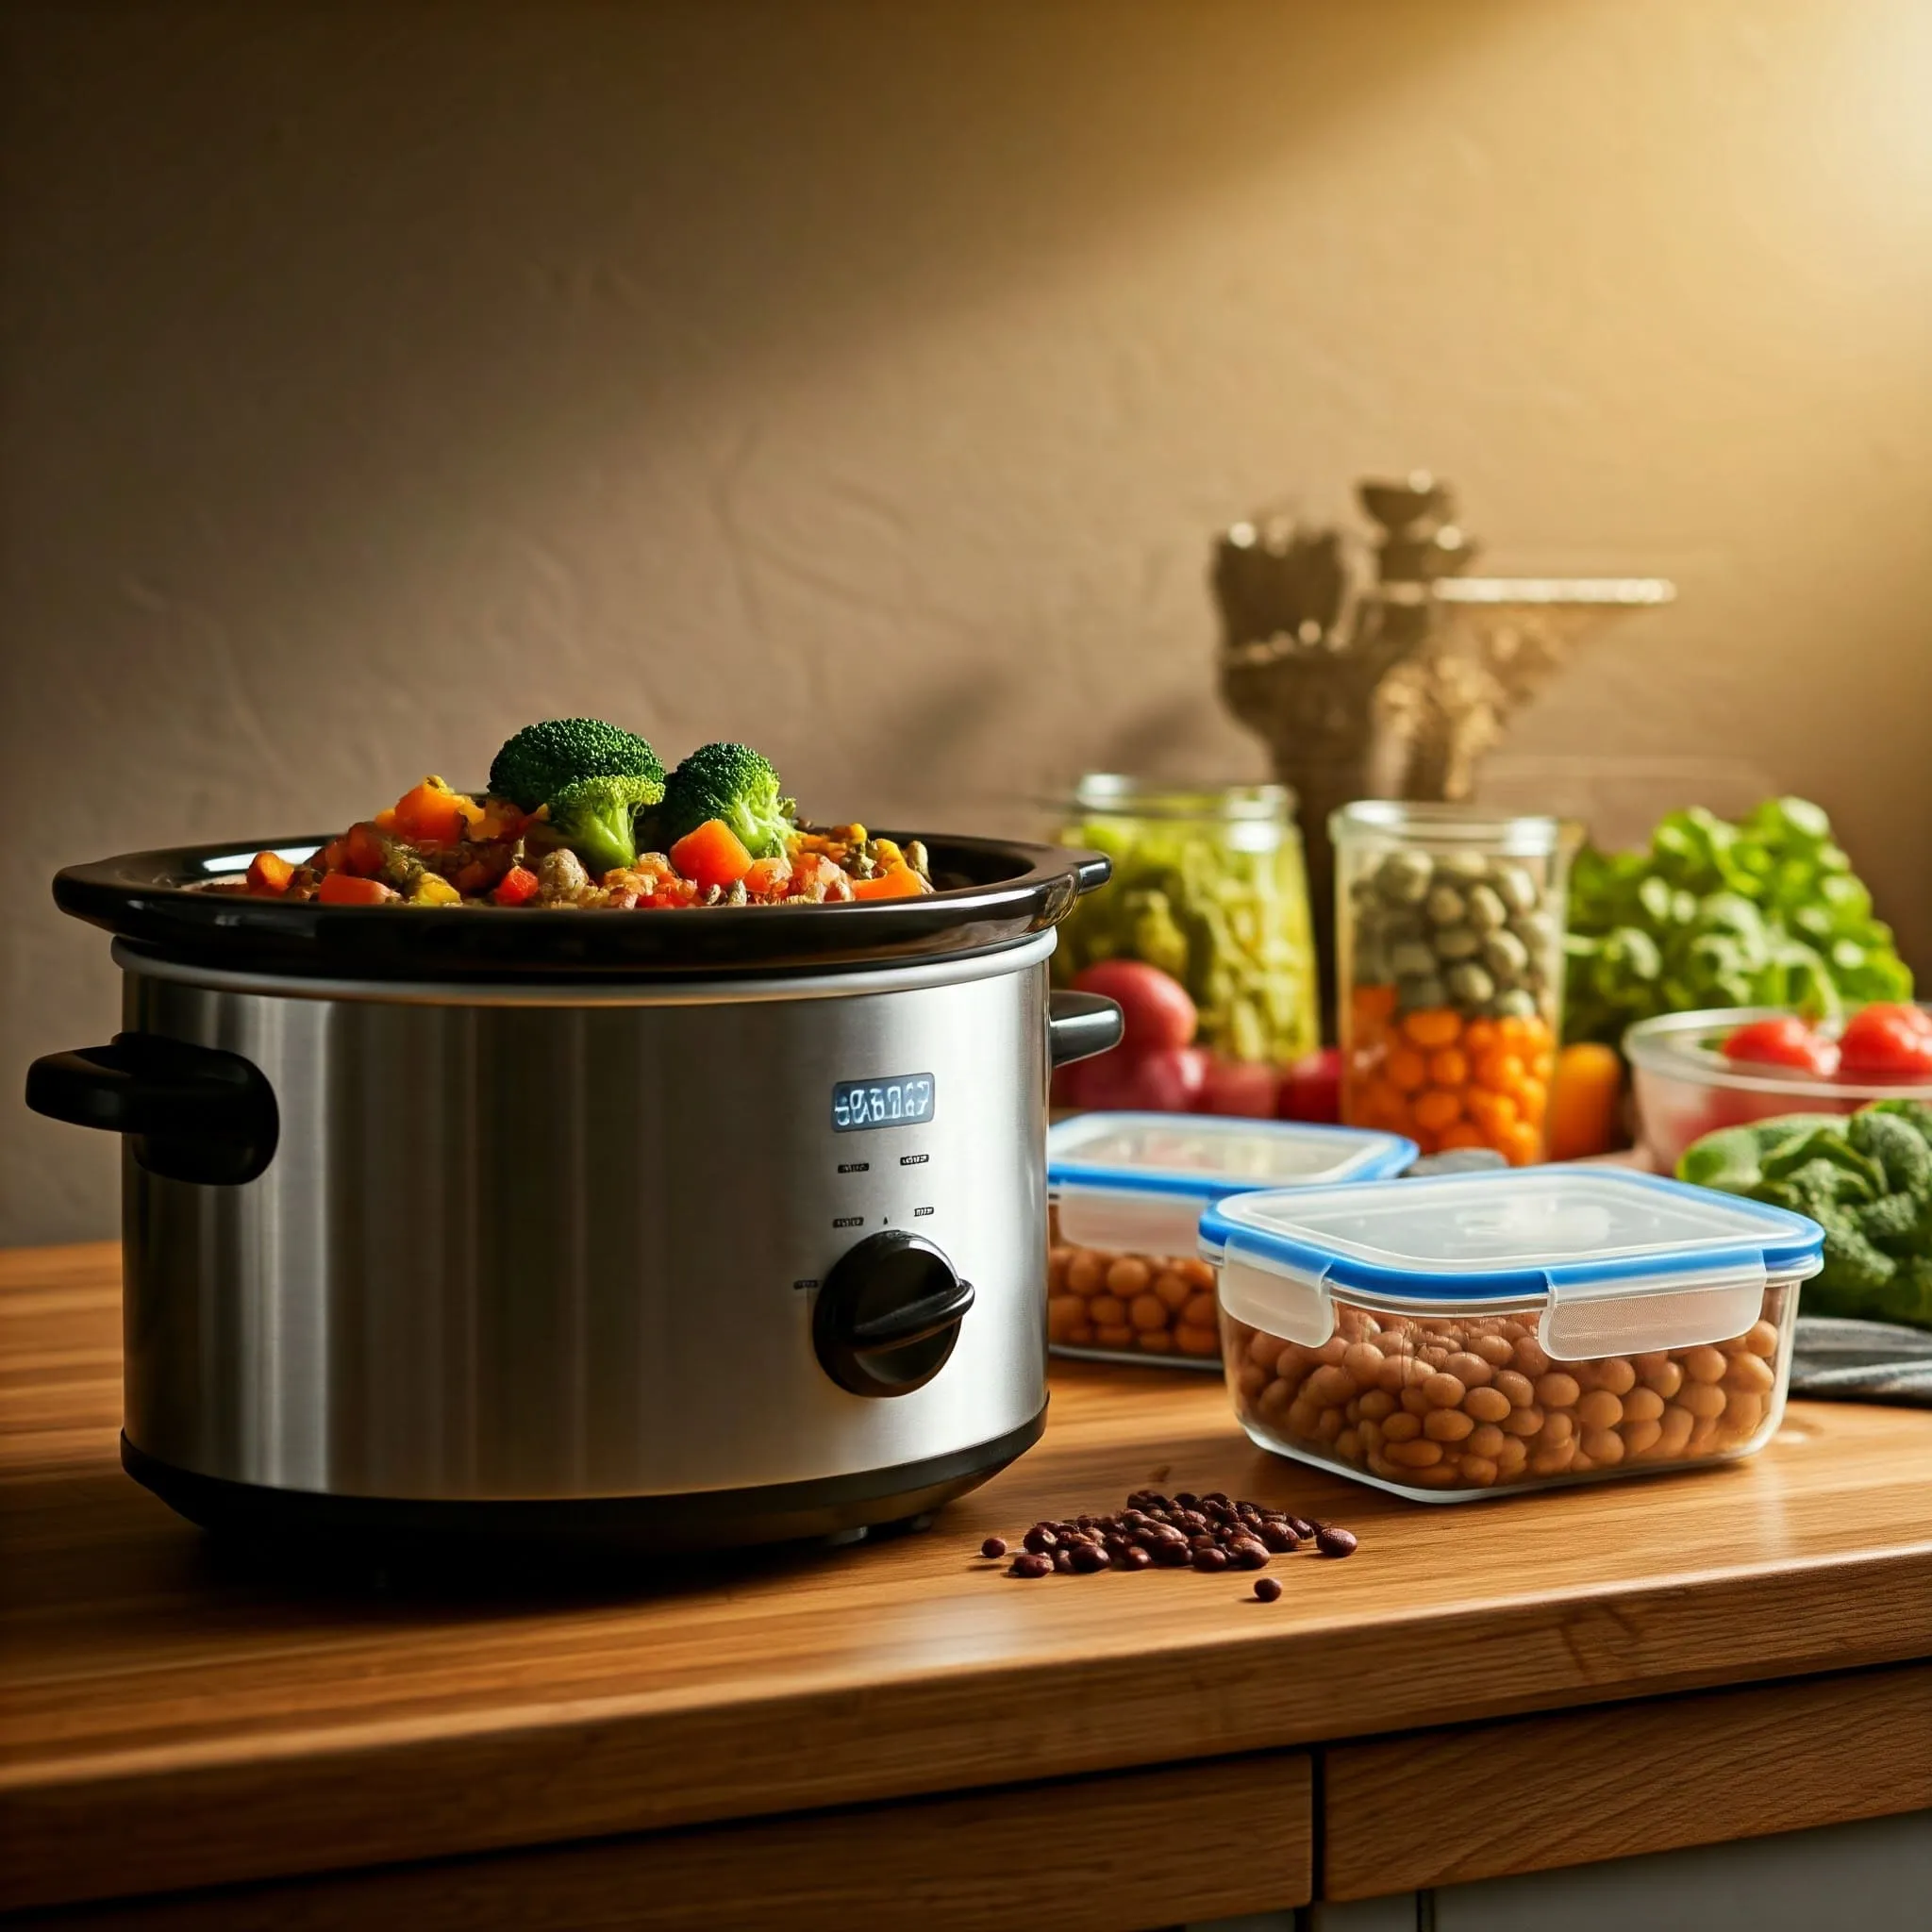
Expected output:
(1726, 1067)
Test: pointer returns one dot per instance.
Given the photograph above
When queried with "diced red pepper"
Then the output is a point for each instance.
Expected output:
(364, 850)
(517, 885)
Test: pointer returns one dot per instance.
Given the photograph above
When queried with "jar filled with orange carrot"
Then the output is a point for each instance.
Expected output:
(1450, 960)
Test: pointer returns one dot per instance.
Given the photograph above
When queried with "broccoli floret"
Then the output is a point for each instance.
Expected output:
(1827, 1181)
(730, 782)
(1908, 1296)
(1891, 1222)
(542, 760)
(1831, 1163)
(1915, 1114)
(1894, 1143)
(597, 818)
(1854, 1270)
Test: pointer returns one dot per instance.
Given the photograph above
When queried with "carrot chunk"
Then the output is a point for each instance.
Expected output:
(896, 882)
(431, 814)
(269, 874)
(346, 889)
(713, 855)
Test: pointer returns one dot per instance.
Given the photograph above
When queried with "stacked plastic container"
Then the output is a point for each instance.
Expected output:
(1126, 1279)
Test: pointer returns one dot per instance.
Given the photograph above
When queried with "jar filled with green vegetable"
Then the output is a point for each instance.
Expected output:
(1203, 936)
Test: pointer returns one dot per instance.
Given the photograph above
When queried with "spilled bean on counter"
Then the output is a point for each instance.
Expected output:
(1151, 1531)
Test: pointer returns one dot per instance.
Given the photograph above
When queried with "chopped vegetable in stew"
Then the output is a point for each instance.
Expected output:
(582, 813)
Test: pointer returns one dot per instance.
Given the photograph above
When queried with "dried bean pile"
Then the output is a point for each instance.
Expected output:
(1152, 1531)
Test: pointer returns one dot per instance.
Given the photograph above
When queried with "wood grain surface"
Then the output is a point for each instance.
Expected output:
(1548, 1792)
(1113, 1853)
(172, 1714)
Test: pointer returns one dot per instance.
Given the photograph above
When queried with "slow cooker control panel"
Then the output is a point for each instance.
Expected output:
(888, 1314)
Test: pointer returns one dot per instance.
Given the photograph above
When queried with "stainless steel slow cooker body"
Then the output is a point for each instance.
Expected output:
(707, 1259)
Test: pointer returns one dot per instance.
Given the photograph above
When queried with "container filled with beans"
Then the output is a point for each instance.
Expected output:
(1469, 1334)
(1450, 957)
(1125, 1282)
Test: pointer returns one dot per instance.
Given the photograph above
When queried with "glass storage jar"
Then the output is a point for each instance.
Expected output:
(1470, 1334)
(1209, 888)
(1449, 945)
(1126, 1192)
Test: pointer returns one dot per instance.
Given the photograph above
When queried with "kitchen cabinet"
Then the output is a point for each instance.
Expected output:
(1875, 1875)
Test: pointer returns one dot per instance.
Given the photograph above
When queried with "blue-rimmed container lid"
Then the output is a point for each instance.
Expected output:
(1140, 1181)
(1617, 1261)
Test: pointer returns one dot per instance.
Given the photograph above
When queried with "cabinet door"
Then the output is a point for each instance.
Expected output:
(1872, 1877)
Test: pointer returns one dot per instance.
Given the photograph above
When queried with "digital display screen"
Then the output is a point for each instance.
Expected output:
(901, 1100)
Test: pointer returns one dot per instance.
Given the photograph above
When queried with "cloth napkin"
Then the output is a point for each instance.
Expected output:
(1841, 1360)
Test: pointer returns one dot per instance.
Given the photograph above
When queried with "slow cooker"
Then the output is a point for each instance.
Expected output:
(687, 1227)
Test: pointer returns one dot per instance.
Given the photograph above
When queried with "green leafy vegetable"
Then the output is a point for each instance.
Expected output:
(1866, 1178)
(1765, 912)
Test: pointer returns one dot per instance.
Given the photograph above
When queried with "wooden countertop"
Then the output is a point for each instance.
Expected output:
(172, 1717)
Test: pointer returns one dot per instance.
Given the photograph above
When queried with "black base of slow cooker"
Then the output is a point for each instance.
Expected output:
(839, 1508)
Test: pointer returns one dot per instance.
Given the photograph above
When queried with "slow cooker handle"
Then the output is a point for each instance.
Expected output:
(191, 1113)
(1092, 870)
(1080, 1024)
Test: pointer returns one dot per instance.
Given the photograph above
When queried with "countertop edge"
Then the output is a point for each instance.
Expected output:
(318, 1804)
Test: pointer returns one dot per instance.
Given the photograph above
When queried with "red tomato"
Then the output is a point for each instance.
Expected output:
(1170, 1079)
(1240, 1087)
(1155, 1011)
(1784, 1042)
(1311, 1087)
(1887, 1042)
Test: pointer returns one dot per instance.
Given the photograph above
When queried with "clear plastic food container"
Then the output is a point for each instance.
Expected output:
(1449, 936)
(1449, 1338)
(1685, 1087)
(1128, 1191)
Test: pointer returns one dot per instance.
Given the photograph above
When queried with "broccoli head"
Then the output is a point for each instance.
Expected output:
(1891, 1223)
(1895, 1144)
(730, 782)
(542, 760)
(1908, 1296)
(597, 818)
(1853, 1272)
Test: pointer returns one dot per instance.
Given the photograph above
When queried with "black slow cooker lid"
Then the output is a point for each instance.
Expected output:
(991, 893)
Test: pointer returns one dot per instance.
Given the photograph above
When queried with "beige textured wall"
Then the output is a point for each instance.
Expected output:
(867, 379)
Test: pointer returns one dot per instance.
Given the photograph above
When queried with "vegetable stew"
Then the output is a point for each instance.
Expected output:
(579, 813)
